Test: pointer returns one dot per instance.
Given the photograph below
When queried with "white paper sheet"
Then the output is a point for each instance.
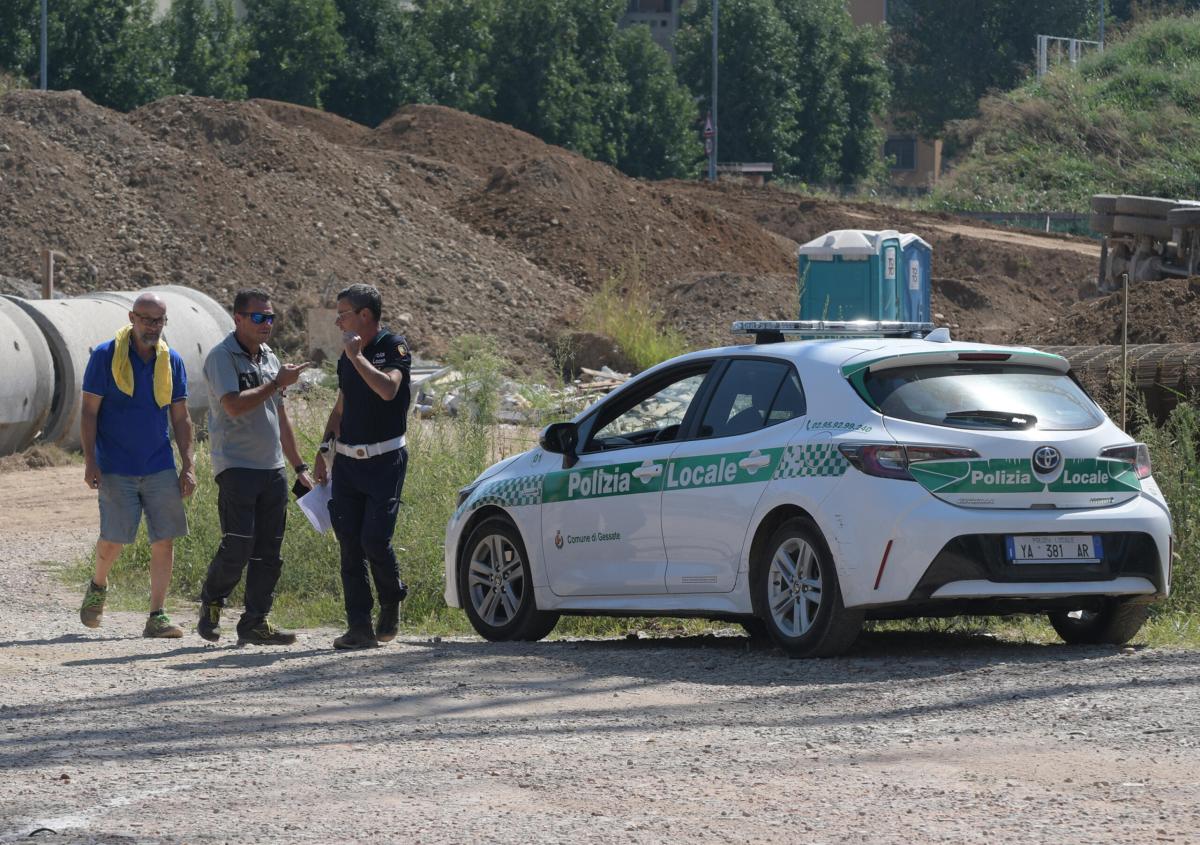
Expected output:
(315, 505)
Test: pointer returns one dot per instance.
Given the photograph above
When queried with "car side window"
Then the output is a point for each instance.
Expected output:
(748, 398)
(789, 401)
(652, 415)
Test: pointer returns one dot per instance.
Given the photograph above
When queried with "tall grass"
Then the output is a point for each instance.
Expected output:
(624, 309)
(1123, 121)
(1175, 454)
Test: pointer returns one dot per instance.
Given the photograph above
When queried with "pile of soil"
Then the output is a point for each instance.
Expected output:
(465, 225)
(1159, 312)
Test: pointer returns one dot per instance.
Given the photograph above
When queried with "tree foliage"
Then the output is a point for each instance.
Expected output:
(298, 49)
(208, 48)
(111, 50)
(946, 54)
(658, 120)
(367, 85)
(799, 85)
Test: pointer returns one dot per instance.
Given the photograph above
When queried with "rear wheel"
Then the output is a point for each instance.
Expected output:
(495, 586)
(1115, 624)
(796, 594)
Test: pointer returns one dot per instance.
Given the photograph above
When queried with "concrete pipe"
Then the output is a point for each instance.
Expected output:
(214, 309)
(28, 384)
(72, 328)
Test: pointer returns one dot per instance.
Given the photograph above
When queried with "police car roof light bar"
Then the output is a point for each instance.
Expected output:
(773, 331)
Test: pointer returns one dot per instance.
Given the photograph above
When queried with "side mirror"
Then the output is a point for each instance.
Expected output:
(561, 439)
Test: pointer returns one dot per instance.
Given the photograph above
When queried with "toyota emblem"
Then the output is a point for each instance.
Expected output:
(1046, 459)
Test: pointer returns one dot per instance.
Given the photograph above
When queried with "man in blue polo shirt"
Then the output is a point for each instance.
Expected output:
(366, 431)
(132, 385)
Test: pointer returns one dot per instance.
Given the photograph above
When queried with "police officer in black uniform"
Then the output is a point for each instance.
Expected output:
(366, 433)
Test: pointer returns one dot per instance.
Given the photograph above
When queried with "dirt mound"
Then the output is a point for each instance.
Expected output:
(221, 196)
(586, 221)
(703, 305)
(331, 127)
(470, 142)
(1159, 312)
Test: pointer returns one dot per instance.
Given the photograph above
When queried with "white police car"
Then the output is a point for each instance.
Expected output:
(802, 487)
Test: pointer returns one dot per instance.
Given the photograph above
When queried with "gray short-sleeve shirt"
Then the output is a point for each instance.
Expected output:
(250, 441)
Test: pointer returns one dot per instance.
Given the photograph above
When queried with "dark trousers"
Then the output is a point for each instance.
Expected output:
(363, 508)
(252, 505)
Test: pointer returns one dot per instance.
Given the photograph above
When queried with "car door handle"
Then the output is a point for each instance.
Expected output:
(754, 462)
(645, 472)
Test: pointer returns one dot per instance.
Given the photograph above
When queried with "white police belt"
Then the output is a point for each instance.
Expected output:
(370, 450)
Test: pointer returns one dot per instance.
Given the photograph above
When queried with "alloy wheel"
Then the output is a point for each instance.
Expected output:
(794, 587)
(497, 583)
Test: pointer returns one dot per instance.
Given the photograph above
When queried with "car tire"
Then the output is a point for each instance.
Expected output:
(496, 588)
(799, 624)
(1115, 624)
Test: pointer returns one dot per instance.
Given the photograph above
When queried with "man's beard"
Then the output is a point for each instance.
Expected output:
(148, 339)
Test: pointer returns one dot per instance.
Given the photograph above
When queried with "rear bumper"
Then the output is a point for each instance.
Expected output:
(940, 553)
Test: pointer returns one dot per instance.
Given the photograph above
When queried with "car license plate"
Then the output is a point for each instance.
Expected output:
(1063, 548)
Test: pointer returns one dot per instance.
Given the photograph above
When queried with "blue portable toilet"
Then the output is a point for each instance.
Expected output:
(856, 274)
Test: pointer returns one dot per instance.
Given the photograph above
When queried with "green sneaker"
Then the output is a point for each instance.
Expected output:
(92, 608)
(264, 633)
(158, 626)
(209, 626)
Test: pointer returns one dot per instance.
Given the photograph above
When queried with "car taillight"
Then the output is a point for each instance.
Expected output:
(892, 460)
(1135, 454)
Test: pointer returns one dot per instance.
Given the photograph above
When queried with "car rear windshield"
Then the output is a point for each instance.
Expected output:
(983, 396)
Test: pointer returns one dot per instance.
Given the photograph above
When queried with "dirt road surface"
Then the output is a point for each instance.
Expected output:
(108, 738)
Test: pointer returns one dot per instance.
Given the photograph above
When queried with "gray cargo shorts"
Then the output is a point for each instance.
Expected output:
(123, 498)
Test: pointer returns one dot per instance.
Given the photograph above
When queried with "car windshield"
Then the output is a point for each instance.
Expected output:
(983, 396)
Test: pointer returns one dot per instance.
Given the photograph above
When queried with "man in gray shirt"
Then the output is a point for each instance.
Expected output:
(251, 435)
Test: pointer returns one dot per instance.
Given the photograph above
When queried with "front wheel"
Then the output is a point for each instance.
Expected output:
(495, 587)
(796, 594)
(1115, 624)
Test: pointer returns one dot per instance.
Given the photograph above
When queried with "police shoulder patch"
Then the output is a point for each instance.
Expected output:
(401, 349)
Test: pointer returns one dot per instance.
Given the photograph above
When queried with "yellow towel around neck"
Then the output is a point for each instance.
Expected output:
(122, 368)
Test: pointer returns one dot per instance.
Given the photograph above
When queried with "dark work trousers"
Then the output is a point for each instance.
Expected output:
(252, 505)
(363, 508)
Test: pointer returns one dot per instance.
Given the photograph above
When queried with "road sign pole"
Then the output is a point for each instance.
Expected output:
(45, 80)
(712, 156)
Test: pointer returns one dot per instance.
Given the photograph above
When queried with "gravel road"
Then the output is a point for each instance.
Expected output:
(109, 738)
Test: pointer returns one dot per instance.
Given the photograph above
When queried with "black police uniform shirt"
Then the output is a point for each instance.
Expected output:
(366, 416)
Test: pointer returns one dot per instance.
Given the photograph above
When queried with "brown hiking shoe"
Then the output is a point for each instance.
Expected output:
(92, 609)
(264, 633)
(158, 626)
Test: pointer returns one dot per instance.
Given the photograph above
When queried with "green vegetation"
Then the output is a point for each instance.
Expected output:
(800, 85)
(209, 49)
(624, 310)
(1125, 121)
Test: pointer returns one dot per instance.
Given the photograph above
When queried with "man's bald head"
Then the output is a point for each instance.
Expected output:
(149, 298)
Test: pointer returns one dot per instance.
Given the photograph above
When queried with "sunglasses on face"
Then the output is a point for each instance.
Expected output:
(258, 317)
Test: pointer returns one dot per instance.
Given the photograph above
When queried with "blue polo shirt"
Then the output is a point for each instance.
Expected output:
(131, 431)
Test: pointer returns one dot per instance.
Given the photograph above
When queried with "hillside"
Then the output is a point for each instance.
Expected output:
(466, 225)
(1125, 122)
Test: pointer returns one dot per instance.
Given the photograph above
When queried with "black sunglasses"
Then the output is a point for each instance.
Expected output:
(258, 317)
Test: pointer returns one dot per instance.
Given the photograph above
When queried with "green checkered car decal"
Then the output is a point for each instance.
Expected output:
(509, 492)
(811, 460)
